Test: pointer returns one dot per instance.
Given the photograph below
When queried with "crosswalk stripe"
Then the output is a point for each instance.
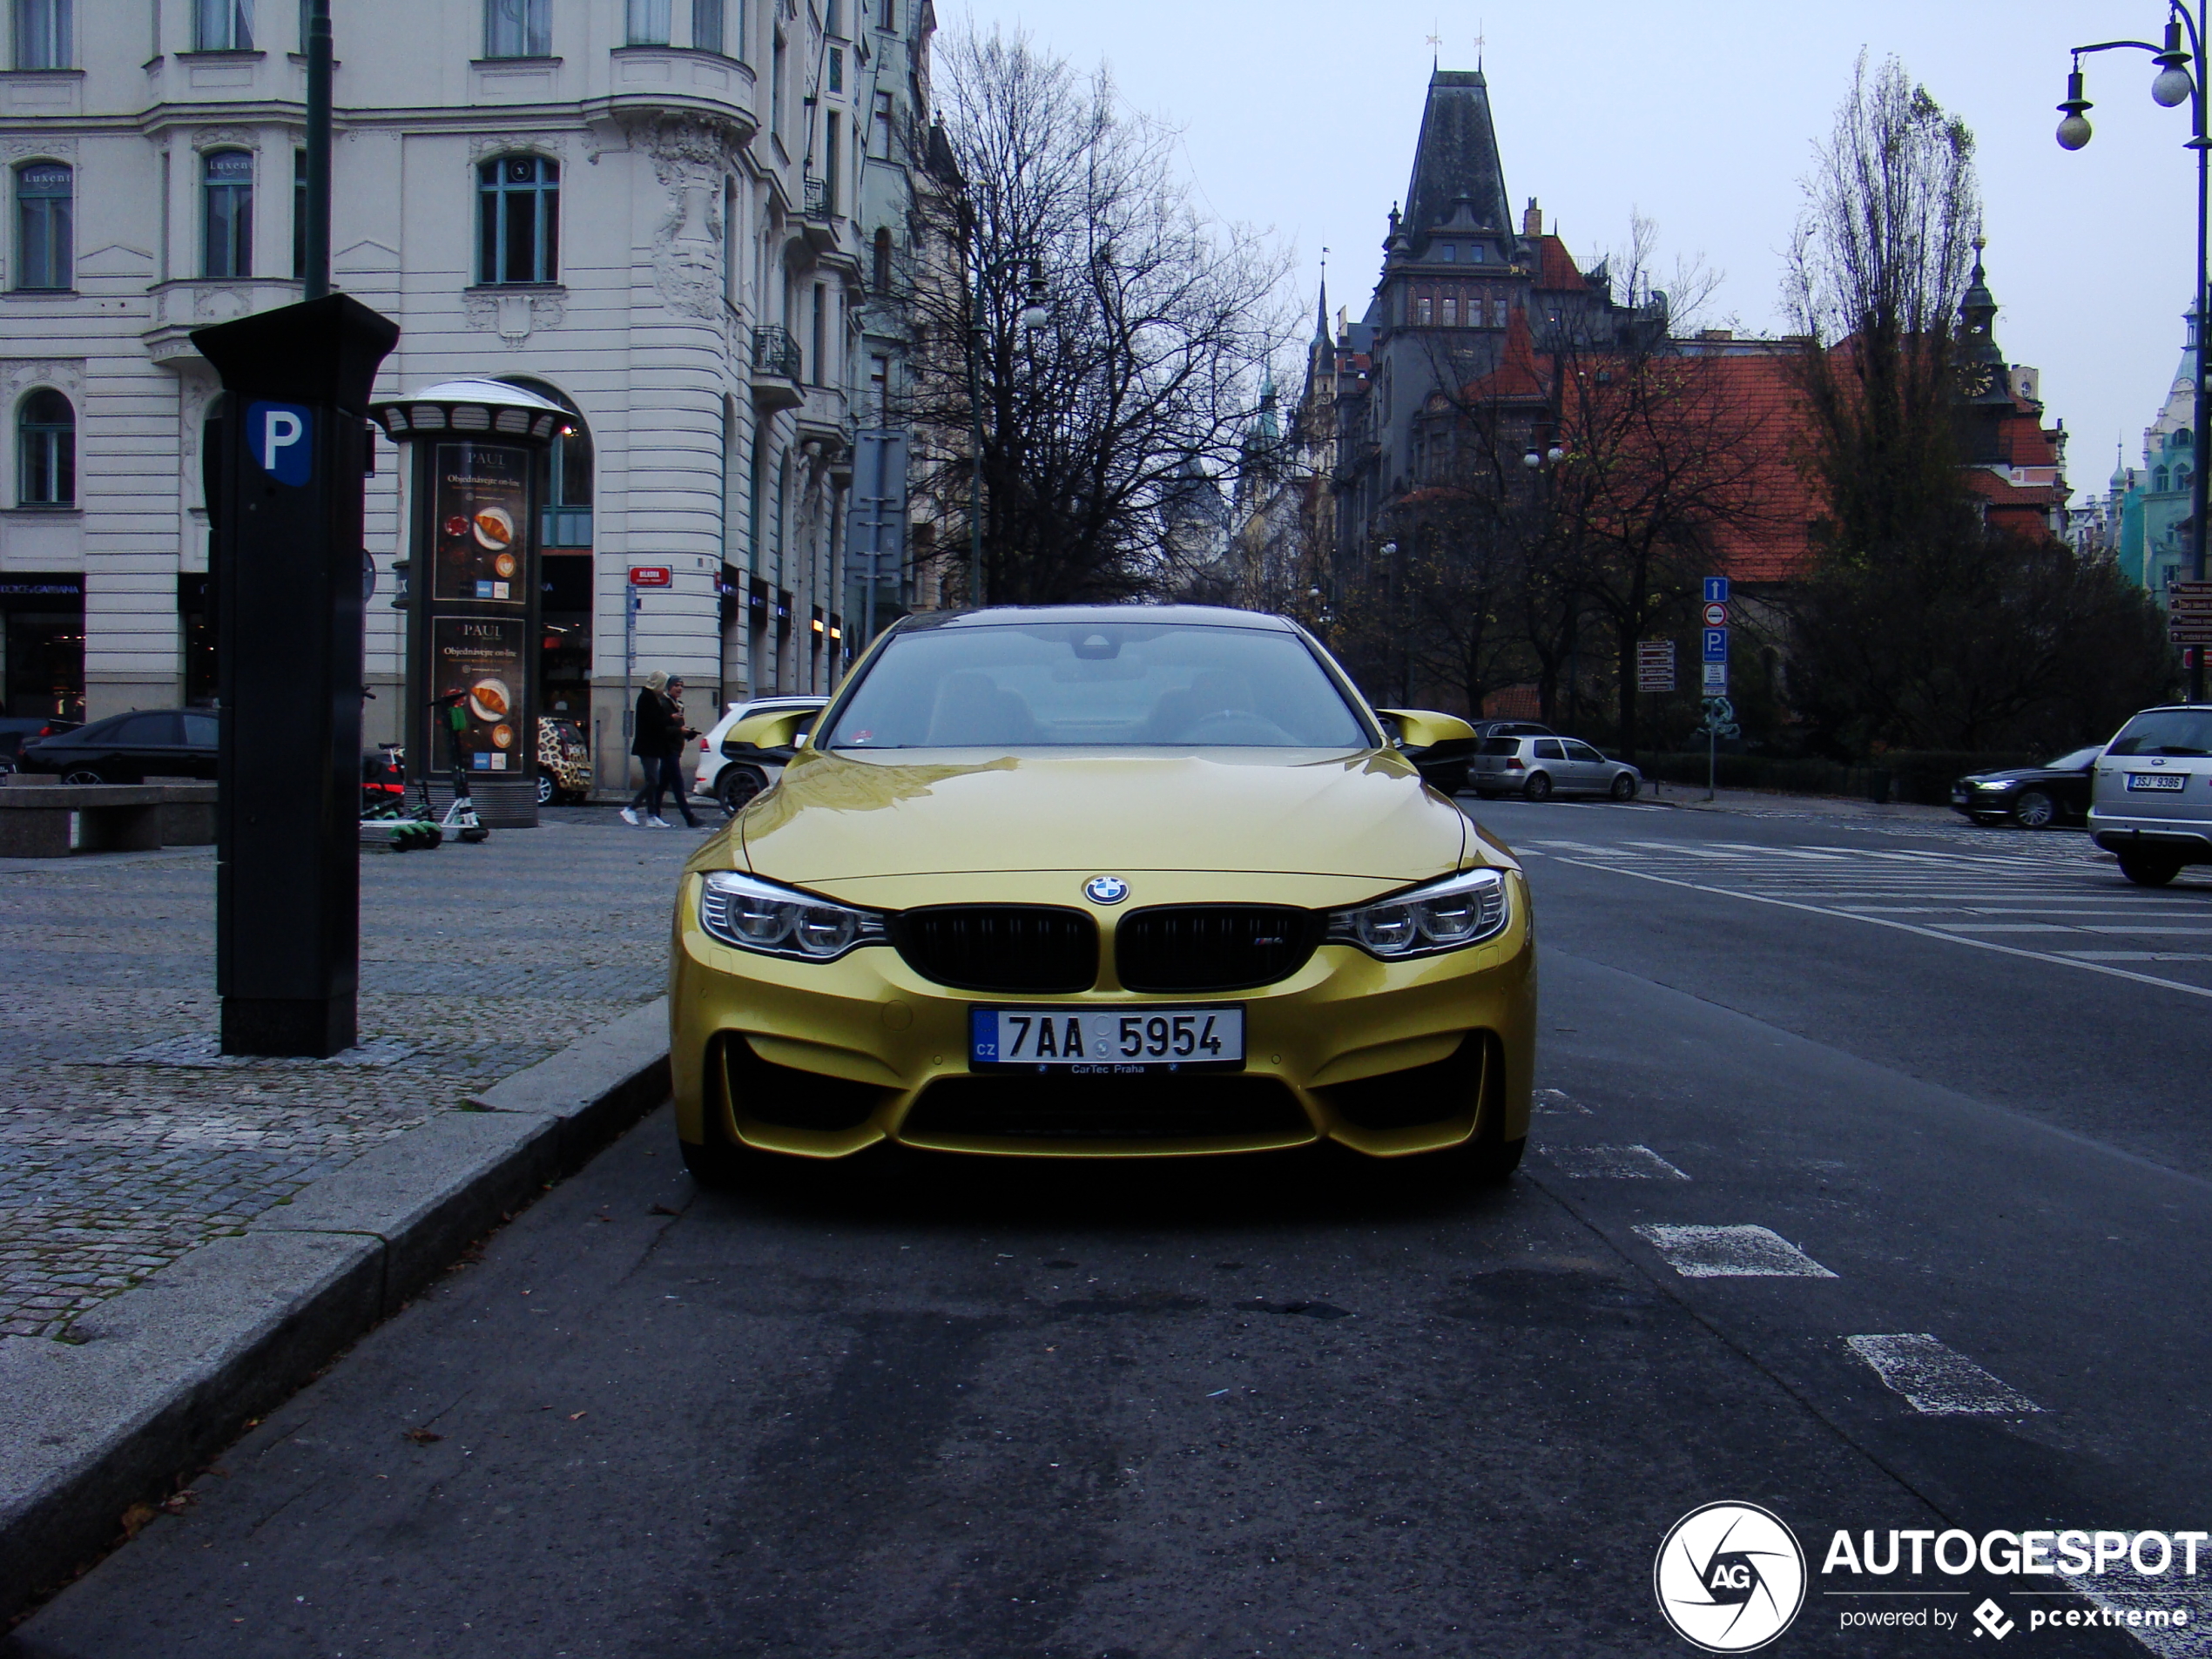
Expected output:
(1936, 1380)
(1730, 1252)
(1611, 1163)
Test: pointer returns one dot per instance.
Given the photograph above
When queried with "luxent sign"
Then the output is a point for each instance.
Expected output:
(279, 436)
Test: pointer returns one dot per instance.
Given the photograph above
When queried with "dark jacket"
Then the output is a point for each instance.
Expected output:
(656, 733)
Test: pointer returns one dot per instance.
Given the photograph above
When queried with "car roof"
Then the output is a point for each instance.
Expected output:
(1183, 616)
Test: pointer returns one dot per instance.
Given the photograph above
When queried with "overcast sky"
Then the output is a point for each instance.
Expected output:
(1699, 114)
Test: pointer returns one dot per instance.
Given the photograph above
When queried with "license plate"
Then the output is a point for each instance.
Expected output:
(2158, 780)
(1110, 1041)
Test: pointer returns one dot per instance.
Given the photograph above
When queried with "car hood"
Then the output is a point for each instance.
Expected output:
(1368, 815)
(2017, 775)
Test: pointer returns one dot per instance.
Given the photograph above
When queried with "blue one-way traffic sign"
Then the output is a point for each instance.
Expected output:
(1715, 589)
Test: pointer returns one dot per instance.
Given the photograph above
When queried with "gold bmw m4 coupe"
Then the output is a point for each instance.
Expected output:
(1101, 881)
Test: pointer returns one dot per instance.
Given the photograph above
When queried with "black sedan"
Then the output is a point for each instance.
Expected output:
(128, 748)
(2033, 796)
(16, 729)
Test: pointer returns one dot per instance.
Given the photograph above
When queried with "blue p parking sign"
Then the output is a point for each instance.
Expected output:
(281, 436)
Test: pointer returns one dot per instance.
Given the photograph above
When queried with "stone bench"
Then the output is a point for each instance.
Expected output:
(54, 820)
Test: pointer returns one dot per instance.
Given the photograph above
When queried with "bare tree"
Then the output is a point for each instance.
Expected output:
(1114, 336)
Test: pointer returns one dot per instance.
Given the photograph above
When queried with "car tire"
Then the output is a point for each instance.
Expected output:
(547, 794)
(2034, 809)
(1624, 786)
(1477, 1162)
(83, 775)
(736, 786)
(1539, 786)
(2148, 871)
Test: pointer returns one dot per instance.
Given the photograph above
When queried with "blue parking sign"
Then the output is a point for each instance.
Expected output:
(1716, 645)
(279, 434)
(1715, 589)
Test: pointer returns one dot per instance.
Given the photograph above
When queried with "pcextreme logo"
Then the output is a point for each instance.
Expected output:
(1730, 1577)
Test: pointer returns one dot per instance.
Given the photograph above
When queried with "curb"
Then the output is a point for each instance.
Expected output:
(160, 1378)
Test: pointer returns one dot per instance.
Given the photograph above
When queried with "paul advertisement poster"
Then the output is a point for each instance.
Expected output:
(479, 524)
(480, 658)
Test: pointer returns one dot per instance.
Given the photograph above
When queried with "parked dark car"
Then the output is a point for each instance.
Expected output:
(2033, 796)
(128, 748)
(16, 729)
(1512, 729)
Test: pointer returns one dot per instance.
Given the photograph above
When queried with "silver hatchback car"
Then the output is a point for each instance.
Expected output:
(2151, 802)
(1541, 767)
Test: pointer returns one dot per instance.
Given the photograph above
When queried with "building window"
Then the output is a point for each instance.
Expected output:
(2181, 477)
(1447, 253)
(833, 19)
(226, 220)
(1451, 311)
(298, 213)
(1474, 254)
(42, 34)
(647, 23)
(881, 278)
(837, 69)
(890, 19)
(518, 28)
(883, 115)
(731, 243)
(1497, 313)
(829, 160)
(2158, 479)
(223, 25)
(706, 25)
(1422, 309)
(776, 87)
(879, 389)
(44, 240)
(2180, 439)
(518, 213)
(820, 364)
(46, 450)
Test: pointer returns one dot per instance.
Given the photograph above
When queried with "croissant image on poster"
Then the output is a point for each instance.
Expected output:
(478, 521)
(481, 657)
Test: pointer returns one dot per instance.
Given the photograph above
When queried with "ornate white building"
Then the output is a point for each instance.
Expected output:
(665, 214)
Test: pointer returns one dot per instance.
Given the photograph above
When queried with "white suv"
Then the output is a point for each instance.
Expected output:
(734, 772)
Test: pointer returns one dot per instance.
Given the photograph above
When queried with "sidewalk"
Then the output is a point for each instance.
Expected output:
(126, 1141)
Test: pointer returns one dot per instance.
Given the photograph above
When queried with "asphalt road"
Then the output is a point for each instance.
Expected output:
(1306, 1407)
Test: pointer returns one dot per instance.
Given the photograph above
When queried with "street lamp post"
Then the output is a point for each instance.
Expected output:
(2171, 86)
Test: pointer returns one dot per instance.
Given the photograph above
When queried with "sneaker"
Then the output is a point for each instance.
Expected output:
(630, 815)
(658, 823)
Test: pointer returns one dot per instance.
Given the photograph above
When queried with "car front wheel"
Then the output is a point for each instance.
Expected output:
(2034, 809)
(83, 775)
(2148, 871)
(545, 790)
(1539, 786)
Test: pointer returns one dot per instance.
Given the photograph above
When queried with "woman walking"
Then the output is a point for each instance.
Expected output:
(657, 737)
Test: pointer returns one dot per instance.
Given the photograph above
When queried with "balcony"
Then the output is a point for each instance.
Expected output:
(817, 215)
(825, 427)
(776, 369)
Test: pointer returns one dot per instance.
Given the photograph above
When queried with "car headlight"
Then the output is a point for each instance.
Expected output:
(758, 915)
(1450, 914)
(1995, 783)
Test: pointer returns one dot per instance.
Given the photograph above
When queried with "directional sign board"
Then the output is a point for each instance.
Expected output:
(1655, 666)
(1715, 589)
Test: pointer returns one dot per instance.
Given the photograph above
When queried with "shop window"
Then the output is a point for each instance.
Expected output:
(45, 195)
(518, 28)
(41, 644)
(647, 23)
(226, 213)
(46, 451)
(223, 25)
(42, 34)
(518, 220)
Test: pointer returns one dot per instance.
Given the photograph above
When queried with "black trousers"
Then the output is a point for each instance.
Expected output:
(663, 775)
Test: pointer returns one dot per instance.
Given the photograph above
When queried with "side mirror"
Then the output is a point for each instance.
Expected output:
(1424, 729)
(779, 728)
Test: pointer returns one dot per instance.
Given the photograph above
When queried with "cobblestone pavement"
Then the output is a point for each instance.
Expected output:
(126, 1141)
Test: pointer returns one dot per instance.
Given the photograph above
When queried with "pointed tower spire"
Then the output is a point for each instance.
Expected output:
(1321, 311)
(1456, 156)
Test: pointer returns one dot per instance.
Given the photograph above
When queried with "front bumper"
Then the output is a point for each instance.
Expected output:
(825, 1060)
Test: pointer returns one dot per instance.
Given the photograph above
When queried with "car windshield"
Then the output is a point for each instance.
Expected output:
(1107, 684)
(2166, 732)
(2079, 760)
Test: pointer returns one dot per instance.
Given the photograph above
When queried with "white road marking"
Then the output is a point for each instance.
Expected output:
(1908, 927)
(1612, 1163)
(2138, 955)
(2009, 927)
(1730, 1252)
(1936, 1380)
(1553, 1103)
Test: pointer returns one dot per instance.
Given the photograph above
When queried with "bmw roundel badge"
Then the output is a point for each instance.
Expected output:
(1105, 889)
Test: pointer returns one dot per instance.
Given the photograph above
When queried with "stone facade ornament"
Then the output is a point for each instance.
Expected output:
(515, 317)
(692, 157)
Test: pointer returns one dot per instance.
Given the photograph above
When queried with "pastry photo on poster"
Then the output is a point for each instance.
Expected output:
(479, 521)
(480, 660)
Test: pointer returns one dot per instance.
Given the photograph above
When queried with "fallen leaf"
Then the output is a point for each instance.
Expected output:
(663, 1210)
(135, 1518)
(422, 1436)
(574, 1415)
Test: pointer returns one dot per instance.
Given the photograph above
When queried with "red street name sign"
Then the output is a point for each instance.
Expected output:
(650, 575)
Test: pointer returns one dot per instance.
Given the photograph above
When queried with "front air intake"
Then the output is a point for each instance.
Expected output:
(1011, 949)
